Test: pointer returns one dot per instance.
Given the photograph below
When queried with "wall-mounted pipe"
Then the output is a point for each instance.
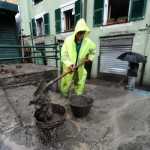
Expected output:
(85, 10)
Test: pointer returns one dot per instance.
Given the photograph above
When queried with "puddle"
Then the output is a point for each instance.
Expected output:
(10, 145)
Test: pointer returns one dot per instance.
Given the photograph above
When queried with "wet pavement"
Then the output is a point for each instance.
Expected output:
(112, 124)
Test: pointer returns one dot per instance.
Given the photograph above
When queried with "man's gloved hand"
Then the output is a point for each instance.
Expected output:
(87, 59)
(70, 68)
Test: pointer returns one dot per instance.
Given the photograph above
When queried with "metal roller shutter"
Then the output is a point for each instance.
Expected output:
(8, 36)
(110, 49)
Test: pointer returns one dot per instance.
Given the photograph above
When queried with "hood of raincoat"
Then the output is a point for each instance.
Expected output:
(82, 26)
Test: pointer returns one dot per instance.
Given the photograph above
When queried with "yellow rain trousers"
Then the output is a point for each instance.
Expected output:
(69, 56)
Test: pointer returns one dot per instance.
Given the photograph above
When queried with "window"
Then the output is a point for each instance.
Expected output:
(98, 12)
(138, 9)
(113, 9)
(58, 20)
(69, 20)
(117, 8)
(37, 1)
(41, 25)
(33, 27)
(78, 10)
(67, 15)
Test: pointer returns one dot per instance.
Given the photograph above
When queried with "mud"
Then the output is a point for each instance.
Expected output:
(44, 113)
(55, 117)
(42, 103)
(118, 120)
(80, 100)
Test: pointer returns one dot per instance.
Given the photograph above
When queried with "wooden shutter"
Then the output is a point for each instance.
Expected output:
(137, 10)
(98, 12)
(58, 20)
(46, 24)
(78, 10)
(33, 27)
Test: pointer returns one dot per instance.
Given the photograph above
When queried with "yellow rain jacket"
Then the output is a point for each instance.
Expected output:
(69, 56)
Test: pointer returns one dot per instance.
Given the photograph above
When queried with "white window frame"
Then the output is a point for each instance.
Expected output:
(106, 2)
(63, 8)
(129, 9)
(41, 15)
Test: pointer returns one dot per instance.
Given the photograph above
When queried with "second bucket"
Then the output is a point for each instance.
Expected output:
(80, 105)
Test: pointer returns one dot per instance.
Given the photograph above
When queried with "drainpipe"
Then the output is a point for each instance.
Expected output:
(22, 42)
(85, 9)
(31, 36)
(144, 63)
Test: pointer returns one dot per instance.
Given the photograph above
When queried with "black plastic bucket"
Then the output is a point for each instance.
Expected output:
(52, 131)
(80, 105)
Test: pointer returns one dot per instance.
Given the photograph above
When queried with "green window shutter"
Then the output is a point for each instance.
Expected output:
(58, 20)
(46, 24)
(138, 8)
(98, 12)
(78, 10)
(33, 27)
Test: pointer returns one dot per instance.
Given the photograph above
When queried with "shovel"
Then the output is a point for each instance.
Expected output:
(43, 87)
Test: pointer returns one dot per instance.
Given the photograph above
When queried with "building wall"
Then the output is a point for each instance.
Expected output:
(25, 16)
(141, 39)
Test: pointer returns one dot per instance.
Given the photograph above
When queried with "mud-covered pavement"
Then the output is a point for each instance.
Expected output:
(118, 120)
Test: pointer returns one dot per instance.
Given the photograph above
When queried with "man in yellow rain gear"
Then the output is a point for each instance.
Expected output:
(75, 49)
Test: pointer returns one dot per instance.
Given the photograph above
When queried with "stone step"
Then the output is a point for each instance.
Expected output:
(28, 74)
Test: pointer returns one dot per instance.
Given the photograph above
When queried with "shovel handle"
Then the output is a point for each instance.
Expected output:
(64, 74)
(120, 82)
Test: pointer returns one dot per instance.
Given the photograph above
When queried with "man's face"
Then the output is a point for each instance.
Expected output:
(80, 35)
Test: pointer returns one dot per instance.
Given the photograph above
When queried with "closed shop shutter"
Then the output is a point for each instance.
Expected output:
(110, 49)
(8, 36)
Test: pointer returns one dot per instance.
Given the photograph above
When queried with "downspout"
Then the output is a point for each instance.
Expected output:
(145, 55)
(29, 6)
(32, 42)
(22, 43)
(85, 10)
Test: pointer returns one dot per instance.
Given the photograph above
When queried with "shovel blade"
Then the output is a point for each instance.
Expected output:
(40, 87)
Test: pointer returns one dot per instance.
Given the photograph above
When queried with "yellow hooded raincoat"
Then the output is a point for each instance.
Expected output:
(69, 56)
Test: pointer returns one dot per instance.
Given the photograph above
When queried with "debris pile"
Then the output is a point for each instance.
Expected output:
(6, 69)
(42, 103)
(44, 113)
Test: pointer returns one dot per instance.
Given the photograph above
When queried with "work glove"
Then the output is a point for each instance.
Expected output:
(87, 59)
(70, 68)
